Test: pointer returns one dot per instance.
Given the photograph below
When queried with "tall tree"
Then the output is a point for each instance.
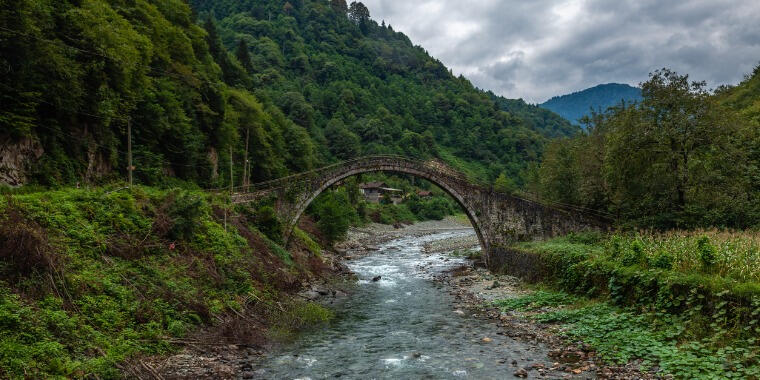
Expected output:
(359, 14)
(244, 55)
(339, 6)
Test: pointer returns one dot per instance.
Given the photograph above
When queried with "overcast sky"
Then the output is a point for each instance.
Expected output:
(535, 49)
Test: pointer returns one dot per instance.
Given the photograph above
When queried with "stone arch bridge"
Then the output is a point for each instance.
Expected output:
(498, 218)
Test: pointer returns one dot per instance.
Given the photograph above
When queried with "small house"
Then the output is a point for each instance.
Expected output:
(374, 191)
(424, 194)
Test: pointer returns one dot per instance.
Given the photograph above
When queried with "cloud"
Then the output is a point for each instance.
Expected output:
(540, 48)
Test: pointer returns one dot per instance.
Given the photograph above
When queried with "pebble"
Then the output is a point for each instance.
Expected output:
(521, 373)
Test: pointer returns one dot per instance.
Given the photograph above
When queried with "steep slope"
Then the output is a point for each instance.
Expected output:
(76, 73)
(578, 104)
(362, 88)
(539, 119)
(285, 86)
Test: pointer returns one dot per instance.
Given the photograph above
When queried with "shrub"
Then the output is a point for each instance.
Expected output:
(635, 255)
(615, 246)
(268, 223)
(185, 211)
(334, 214)
(707, 254)
(587, 237)
(662, 260)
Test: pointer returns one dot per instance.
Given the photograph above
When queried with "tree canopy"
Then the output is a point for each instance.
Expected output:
(304, 83)
(679, 158)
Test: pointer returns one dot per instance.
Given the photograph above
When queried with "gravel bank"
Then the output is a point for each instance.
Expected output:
(361, 240)
(475, 288)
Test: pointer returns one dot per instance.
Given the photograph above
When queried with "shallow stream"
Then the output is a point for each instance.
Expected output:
(404, 326)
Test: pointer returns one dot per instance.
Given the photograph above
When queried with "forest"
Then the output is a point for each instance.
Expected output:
(683, 157)
(300, 83)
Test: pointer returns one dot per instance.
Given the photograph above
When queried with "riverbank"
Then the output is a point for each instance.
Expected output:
(476, 290)
(218, 352)
(99, 283)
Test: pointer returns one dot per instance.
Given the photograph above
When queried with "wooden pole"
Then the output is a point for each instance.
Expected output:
(245, 162)
(231, 177)
(129, 150)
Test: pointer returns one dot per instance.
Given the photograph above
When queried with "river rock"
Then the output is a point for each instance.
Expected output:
(521, 373)
(377, 278)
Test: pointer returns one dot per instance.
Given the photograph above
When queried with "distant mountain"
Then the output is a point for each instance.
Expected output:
(578, 104)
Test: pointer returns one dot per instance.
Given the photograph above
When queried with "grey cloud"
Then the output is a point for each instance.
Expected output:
(541, 48)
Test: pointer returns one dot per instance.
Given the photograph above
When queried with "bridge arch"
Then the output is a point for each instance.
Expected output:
(498, 219)
(472, 214)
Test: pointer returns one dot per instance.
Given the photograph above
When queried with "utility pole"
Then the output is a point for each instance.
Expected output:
(245, 161)
(231, 190)
(231, 180)
(130, 168)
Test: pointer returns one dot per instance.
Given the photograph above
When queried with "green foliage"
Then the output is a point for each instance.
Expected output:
(433, 208)
(268, 223)
(678, 158)
(185, 211)
(390, 214)
(301, 85)
(620, 335)
(707, 254)
(78, 71)
(663, 260)
(504, 185)
(114, 286)
(662, 273)
(540, 119)
(334, 214)
(298, 315)
(634, 255)
(361, 88)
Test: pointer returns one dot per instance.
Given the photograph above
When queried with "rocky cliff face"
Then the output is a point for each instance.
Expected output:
(16, 158)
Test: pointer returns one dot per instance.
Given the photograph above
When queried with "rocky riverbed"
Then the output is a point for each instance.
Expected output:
(471, 288)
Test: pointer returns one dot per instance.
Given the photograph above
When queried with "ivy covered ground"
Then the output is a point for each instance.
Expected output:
(94, 279)
(685, 304)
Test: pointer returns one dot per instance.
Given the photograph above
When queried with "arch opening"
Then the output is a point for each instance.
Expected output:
(331, 181)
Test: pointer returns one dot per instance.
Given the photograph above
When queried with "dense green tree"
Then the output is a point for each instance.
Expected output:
(677, 158)
(334, 214)
(503, 184)
(83, 68)
(339, 6)
(243, 55)
(359, 14)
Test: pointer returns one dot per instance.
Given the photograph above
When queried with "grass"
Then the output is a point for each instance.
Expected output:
(92, 278)
(733, 255)
(736, 254)
(662, 341)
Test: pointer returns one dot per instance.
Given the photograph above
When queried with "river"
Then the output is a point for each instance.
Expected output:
(404, 326)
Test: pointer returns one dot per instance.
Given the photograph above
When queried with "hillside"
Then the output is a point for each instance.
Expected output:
(745, 97)
(578, 104)
(540, 119)
(301, 85)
